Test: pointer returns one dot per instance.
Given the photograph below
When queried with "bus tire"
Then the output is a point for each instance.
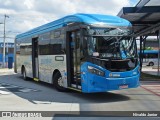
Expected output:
(151, 64)
(24, 73)
(57, 82)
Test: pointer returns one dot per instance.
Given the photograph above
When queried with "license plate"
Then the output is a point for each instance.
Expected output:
(123, 86)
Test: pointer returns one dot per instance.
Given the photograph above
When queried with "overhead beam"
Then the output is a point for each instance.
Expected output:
(145, 9)
(149, 30)
(158, 38)
(141, 4)
(143, 23)
(144, 16)
(135, 9)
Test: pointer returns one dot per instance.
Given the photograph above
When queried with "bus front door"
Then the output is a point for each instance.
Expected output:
(35, 58)
(73, 59)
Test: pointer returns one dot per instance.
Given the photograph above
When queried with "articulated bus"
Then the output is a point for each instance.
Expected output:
(83, 52)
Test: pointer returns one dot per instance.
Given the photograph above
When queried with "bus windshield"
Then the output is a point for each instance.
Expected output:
(111, 47)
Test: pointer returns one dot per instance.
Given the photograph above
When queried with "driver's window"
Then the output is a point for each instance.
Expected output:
(91, 45)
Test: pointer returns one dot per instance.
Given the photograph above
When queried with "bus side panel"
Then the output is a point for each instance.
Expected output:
(18, 63)
(48, 64)
(23, 56)
(25, 60)
(45, 70)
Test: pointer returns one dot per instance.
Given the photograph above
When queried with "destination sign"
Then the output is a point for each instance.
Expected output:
(109, 31)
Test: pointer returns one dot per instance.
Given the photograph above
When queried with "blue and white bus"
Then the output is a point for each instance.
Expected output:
(84, 52)
(150, 57)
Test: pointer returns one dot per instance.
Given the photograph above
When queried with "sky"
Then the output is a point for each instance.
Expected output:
(27, 14)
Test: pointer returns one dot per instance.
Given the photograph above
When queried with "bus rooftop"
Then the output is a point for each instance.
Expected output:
(89, 19)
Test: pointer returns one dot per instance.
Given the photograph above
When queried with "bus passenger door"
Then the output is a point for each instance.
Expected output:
(73, 59)
(35, 58)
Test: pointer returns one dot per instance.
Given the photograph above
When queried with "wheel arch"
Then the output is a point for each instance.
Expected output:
(22, 68)
(151, 62)
(54, 72)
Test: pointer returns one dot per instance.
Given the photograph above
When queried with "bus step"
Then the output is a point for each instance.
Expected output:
(79, 90)
(36, 79)
(77, 73)
(78, 78)
(74, 86)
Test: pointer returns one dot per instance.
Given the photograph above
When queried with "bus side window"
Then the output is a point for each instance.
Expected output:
(57, 42)
(56, 49)
(44, 41)
(155, 55)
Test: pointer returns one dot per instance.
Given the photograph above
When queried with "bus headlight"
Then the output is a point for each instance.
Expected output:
(95, 71)
(134, 73)
(139, 69)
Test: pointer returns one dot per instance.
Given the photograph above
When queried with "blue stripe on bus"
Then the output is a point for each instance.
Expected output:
(149, 51)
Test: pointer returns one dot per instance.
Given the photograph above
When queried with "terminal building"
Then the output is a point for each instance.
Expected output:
(9, 54)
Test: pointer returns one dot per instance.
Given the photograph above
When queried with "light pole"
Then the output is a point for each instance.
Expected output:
(7, 44)
(4, 46)
(1, 23)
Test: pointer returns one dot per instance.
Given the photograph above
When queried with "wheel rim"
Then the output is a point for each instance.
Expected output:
(60, 81)
(151, 64)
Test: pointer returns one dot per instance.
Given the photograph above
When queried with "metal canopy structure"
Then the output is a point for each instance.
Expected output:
(145, 18)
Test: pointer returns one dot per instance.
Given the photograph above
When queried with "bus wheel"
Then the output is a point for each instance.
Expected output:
(151, 64)
(24, 74)
(58, 82)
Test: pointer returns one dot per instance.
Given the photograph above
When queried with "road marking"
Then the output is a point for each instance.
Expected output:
(6, 89)
(4, 92)
(152, 85)
(25, 90)
(150, 89)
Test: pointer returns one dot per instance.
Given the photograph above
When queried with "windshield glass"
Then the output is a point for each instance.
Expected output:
(111, 47)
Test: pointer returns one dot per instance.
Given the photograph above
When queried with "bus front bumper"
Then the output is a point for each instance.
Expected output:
(96, 83)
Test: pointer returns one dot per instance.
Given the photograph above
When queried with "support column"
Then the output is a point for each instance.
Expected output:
(144, 44)
(140, 54)
(158, 38)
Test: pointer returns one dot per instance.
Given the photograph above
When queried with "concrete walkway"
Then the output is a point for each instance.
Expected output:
(5, 69)
(150, 70)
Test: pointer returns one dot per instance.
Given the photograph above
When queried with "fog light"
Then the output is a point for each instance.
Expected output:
(134, 73)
